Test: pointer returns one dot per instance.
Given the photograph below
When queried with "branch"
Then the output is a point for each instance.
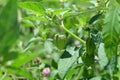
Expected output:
(76, 37)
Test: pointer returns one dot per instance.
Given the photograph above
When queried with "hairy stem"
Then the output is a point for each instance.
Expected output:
(76, 37)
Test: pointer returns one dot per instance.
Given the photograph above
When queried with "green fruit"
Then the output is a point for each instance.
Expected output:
(60, 41)
(90, 46)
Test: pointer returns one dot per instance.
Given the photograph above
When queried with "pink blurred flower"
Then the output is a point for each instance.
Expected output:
(76, 43)
(96, 58)
(46, 71)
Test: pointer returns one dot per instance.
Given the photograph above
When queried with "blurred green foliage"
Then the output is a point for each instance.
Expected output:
(28, 28)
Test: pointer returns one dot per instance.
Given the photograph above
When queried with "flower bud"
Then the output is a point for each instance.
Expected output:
(96, 58)
(46, 71)
(76, 43)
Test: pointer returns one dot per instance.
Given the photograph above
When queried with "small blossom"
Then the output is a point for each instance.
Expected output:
(46, 71)
(76, 43)
(96, 58)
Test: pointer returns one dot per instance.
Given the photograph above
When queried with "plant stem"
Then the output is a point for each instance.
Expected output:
(3, 76)
(76, 37)
(81, 71)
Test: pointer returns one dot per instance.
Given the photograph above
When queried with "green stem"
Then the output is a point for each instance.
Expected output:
(3, 76)
(76, 37)
(81, 71)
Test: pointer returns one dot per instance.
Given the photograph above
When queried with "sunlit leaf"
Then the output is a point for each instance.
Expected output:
(68, 58)
(111, 30)
(20, 72)
(35, 7)
(24, 58)
(102, 56)
(8, 26)
(94, 18)
(70, 73)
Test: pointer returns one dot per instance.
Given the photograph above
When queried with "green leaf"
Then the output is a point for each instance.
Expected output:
(112, 65)
(20, 72)
(34, 18)
(94, 18)
(68, 58)
(12, 56)
(8, 26)
(61, 11)
(70, 73)
(83, 72)
(48, 46)
(35, 7)
(96, 78)
(102, 56)
(1, 72)
(111, 30)
(54, 64)
(118, 1)
(118, 65)
(23, 58)
(119, 62)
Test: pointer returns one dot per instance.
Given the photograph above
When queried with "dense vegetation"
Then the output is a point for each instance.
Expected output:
(59, 40)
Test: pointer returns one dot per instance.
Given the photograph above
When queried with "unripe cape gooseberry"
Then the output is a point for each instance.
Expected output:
(60, 41)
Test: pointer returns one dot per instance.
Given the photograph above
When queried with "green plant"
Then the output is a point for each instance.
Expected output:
(40, 34)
